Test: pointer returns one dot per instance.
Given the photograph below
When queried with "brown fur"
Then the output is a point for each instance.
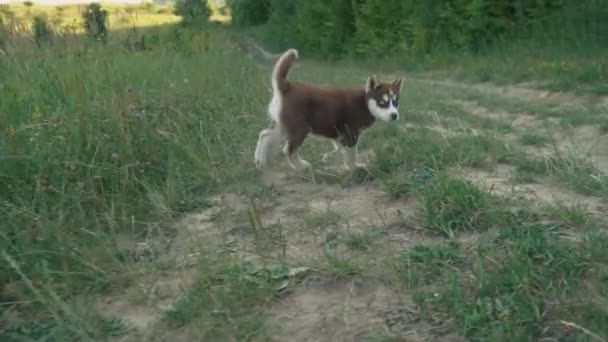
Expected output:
(340, 114)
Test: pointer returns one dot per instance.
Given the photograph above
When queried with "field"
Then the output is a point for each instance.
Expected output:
(131, 210)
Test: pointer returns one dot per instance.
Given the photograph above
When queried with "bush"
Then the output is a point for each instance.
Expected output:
(380, 27)
(193, 12)
(249, 12)
(324, 26)
(42, 31)
(95, 21)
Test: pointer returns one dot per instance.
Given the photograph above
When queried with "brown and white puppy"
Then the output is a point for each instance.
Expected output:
(339, 114)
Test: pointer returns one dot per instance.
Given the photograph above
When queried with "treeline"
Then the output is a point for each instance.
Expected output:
(378, 27)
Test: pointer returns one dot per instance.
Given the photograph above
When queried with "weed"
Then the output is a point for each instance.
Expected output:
(579, 173)
(423, 147)
(533, 139)
(424, 264)
(396, 187)
(451, 205)
(519, 286)
(360, 241)
(574, 215)
(341, 266)
(323, 218)
(229, 296)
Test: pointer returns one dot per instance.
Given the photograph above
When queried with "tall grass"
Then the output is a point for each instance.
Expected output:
(99, 141)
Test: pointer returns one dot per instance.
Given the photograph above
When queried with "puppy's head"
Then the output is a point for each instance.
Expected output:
(383, 98)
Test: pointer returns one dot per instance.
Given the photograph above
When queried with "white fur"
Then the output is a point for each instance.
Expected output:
(351, 158)
(274, 108)
(295, 161)
(268, 139)
(383, 114)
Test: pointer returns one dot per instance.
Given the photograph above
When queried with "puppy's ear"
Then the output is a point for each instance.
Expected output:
(398, 83)
(371, 83)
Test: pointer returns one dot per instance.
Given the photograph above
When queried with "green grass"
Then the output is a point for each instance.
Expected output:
(450, 205)
(573, 171)
(100, 143)
(224, 289)
(571, 215)
(524, 283)
(423, 264)
(533, 139)
(573, 64)
(323, 218)
(103, 142)
(359, 241)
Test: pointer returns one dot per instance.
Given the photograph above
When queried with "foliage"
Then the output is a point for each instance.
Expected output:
(249, 12)
(42, 31)
(95, 20)
(193, 12)
(91, 151)
(380, 27)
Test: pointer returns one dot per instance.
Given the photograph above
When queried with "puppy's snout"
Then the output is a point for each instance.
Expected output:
(394, 116)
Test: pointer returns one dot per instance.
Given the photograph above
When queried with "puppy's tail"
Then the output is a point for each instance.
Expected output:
(281, 69)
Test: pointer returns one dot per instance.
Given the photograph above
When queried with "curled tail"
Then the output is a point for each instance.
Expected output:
(281, 69)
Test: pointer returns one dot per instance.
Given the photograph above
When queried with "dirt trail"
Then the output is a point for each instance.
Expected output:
(528, 92)
(309, 216)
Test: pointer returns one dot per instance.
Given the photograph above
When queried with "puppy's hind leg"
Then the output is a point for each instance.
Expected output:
(268, 141)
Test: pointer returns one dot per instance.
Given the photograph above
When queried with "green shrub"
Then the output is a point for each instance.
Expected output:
(380, 27)
(280, 23)
(249, 12)
(42, 31)
(325, 26)
(95, 20)
(193, 12)
(321, 26)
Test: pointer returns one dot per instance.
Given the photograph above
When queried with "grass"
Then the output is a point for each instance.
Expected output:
(103, 143)
(545, 56)
(450, 205)
(508, 288)
(573, 171)
(108, 145)
(423, 264)
(323, 218)
(534, 139)
(574, 215)
(359, 241)
(229, 288)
